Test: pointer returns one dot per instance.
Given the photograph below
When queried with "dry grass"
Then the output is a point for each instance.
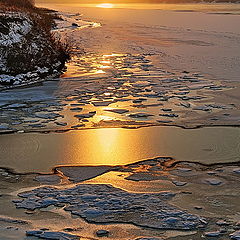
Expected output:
(19, 59)
(28, 4)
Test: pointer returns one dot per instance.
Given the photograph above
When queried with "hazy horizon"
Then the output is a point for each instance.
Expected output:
(134, 1)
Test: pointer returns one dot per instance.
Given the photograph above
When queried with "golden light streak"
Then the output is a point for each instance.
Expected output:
(105, 5)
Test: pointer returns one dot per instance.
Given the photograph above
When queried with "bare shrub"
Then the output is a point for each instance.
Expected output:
(20, 57)
(19, 3)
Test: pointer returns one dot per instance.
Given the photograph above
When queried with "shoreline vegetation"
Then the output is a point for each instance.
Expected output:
(29, 51)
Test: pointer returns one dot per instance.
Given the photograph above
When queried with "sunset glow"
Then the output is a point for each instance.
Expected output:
(105, 5)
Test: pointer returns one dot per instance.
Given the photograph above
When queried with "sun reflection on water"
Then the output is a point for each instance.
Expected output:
(107, 140)
(104, 147)
(105, 5)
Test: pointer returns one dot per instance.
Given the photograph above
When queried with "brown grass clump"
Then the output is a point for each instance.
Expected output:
(19, 57)
(28, 4)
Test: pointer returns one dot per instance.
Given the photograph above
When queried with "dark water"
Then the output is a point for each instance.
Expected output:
(114, 146)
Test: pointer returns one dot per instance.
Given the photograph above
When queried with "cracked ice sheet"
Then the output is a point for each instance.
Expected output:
(98, 203)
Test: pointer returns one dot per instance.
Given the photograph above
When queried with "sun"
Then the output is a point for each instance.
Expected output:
(105, 5)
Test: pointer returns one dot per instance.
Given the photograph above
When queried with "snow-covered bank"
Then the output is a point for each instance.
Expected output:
(28, 51)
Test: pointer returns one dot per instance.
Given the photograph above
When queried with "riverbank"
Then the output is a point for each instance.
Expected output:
(29, 51)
